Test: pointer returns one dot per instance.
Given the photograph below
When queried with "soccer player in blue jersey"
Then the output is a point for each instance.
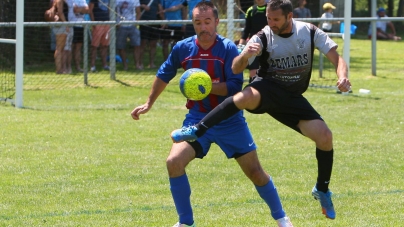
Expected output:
(214, 54)
(285, 48)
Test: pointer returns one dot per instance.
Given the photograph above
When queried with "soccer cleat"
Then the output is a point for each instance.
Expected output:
(184, 134)
(284, 222)
(183, 225)
(93, 69)
(325, 202)
(106, 67)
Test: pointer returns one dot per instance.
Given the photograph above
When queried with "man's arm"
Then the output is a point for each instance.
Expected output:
(341, 69)
(161, 12)
(59, 4)
(391, 26)
(138, 12)
(247, 27)
(241, 61)
(173, 8)
(219, 89)
(157, 88)
(90, 11)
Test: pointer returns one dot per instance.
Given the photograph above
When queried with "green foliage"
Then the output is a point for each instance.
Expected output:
(75, 157)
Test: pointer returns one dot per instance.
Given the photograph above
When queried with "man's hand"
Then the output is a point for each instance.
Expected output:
(140, 110)
(251, 49)
(344, 85)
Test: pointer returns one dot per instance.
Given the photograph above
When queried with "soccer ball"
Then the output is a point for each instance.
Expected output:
(195, 84)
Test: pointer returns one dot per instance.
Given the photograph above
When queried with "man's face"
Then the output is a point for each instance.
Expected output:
(278, 22)
(205, 25)
(382, 13)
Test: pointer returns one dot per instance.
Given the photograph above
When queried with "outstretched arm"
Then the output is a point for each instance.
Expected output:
(341, 69)
(158, 87)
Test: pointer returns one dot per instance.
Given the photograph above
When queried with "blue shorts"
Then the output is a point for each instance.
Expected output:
(232, 136)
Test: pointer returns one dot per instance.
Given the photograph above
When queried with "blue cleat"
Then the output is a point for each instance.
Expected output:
(325, 202)
(184, 134)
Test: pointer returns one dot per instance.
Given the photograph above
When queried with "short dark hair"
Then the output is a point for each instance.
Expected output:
(206, 5)
(285, 5)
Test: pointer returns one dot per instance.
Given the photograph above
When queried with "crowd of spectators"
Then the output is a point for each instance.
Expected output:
(145, 38)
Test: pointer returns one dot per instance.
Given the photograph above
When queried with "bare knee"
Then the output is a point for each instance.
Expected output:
(249, 98)
(324, 141)
(317, 131)
(180, 155)
(174, 167)
(258, 176)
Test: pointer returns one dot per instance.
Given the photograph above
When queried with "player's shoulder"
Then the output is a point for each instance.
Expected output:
(301, 25)
(250, 9)
(226, 42)
(185, 43)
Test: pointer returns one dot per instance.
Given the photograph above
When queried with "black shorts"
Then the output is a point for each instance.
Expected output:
(149, 32)
(172, 33)
(78, 34)
(286, 107)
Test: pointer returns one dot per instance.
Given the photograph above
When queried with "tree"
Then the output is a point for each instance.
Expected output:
(400, 8)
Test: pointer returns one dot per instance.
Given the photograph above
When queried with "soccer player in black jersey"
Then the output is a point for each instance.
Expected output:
(285, 48)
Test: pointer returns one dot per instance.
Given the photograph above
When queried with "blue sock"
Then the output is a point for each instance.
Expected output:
(269, 194)
(181, 192)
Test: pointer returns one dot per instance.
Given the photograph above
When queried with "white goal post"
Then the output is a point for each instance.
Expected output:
(19, 56)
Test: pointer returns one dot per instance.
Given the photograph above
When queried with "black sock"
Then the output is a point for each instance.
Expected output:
(324, 162)
(223, 111)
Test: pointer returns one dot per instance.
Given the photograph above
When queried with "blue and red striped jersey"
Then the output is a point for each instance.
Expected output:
(216, 61)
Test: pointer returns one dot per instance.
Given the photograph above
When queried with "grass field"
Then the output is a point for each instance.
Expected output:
(75, 157)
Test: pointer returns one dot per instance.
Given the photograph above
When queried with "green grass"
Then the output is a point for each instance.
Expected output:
(75, 157)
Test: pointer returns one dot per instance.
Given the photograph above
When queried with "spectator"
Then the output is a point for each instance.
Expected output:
(302, 11)
(60, 33)
(243, 6)
(128, 10)
(149, 34)
(172, 32)
(67, 52)
(381, 27)
(190, 4)
(255, 20)
(99, 11)
(61, 36)
(327, 25)
(77, 9)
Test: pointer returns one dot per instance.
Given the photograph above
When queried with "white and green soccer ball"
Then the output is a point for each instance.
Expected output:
(195, 84)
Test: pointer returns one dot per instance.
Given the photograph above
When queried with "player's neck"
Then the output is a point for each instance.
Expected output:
(207, 44)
